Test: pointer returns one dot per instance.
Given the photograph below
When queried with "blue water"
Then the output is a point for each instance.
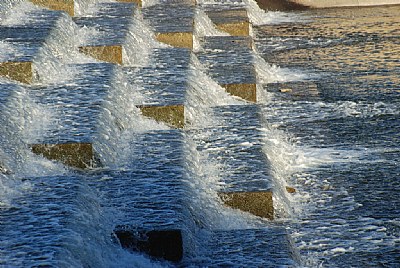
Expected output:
(326, 123)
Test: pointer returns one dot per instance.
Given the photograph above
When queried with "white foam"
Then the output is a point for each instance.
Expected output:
(258, 16)
(19, 15)
(120, 121)
(271, 73)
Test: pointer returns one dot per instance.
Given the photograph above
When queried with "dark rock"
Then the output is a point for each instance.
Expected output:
(164, 244)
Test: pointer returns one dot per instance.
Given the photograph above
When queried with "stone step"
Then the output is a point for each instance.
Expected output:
(78, 155)
(172, 23)
(236, 144)
(264, 247)
(233, 21)
(64, 5)
(230, 63)
(164, 84)
(150, 196)
(27, 42)
(112, 20)
(76, 105)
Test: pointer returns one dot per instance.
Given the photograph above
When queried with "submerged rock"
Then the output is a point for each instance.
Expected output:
(164, 244)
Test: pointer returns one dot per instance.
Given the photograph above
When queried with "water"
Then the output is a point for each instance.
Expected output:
(326, 122)
(342, 125)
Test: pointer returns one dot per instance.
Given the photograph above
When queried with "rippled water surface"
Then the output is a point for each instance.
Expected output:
(345, 122)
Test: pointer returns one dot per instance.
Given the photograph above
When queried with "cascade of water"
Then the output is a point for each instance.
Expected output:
(258, 16)
(140, 43)
(119, 121)
(202, 96)
(203, 27)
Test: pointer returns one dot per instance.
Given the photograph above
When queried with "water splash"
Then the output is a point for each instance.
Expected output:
(119, 121)
(259, 17)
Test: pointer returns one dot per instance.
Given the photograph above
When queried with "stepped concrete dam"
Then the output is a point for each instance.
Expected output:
(175, 133)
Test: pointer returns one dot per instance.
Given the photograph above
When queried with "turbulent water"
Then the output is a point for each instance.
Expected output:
(326, 123)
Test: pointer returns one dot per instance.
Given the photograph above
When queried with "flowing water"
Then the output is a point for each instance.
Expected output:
(326, 123)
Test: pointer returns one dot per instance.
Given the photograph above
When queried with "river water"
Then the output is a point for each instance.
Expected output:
(326, 123)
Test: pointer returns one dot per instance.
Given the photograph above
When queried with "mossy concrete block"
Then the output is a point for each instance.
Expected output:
(245, 91)
(163, 244)
(112, 54)
(78, 155)
(62, 5)
(173, 115)
(176, 39)
(19, 71)
(257, 203)
(235, 22)
(137, 2)
(241, 28)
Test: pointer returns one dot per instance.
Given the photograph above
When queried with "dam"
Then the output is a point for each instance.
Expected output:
(179, 133)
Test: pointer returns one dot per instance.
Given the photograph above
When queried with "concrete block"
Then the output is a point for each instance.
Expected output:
(62, 5)
(257, 203)
(19, 71)
(79, 155)
(245, 91)
(173, 115)
(137, 2)
(176, 39)
(112, 54)
(235, 21)
(164, 244)
(241, 28)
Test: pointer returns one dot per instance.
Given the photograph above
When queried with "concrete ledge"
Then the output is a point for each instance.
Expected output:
(62, 5)
(112, 54)
(257, 203)
(245, 91)
(79, 155)
(235, 21)
(241, 28)
(178, 39)
(173, 115)
(19, 71)
(164, 244)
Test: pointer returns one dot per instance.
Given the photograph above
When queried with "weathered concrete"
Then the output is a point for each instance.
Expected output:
(178, 39)
(78, 155)
(245, 91)
(235, 21)
(173, 115)
(62, 5)
(112, 53)
(137, 2)
(172, 22)
(164, 244)
(258, 203)
(19, 71)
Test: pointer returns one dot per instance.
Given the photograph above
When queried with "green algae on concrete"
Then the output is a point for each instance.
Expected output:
(176, 39)
(18, 71)
(112, 54)
(173, 115)
(258, 203)
(245, 91)
(78, 155)
(62, 5)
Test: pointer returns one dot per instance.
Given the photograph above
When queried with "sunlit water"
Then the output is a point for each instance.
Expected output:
(326, 123)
